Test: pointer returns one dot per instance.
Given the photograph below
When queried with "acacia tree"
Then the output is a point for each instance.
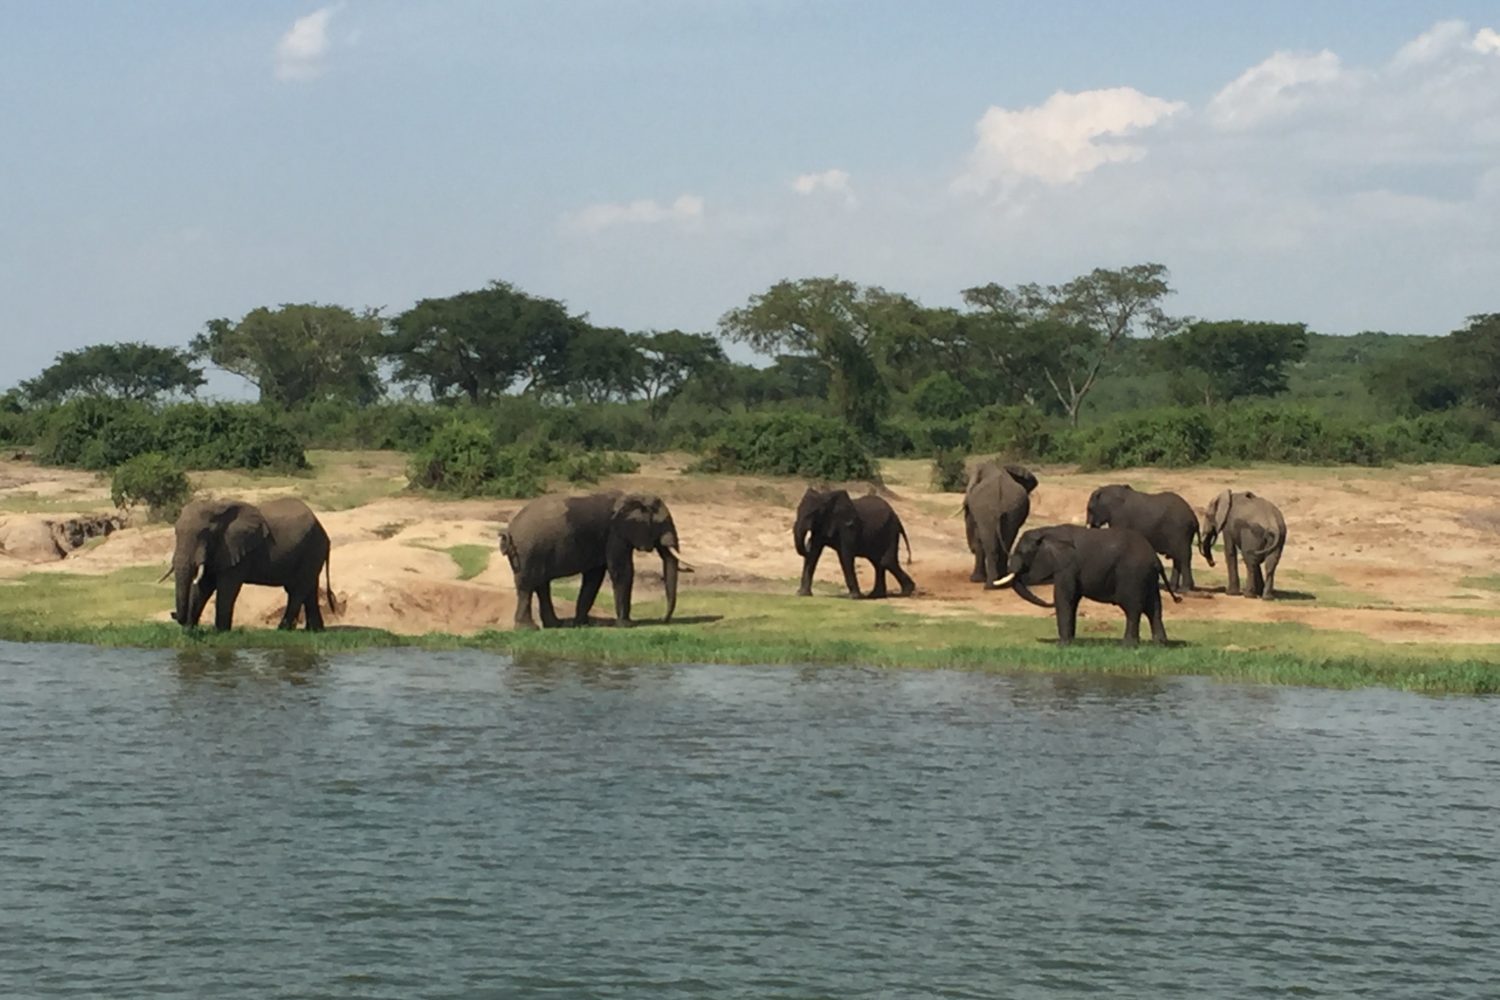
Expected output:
(1072, 330)
(299, 353)
(601, 363)
(480, 343)
(120, 371)
(835, 321)
(1229, 359)
(671, 358)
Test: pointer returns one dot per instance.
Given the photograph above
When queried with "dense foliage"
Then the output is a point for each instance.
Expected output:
(788, 444)
(105, 433)
(122, 371)
(466, 458)
(154, 480)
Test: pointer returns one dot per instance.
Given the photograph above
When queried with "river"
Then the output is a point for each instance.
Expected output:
(411, 824)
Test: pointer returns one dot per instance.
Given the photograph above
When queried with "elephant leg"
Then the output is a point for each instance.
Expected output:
(993, 560)
(1271, 562)
(198, 599)
(544, 606)
(1067, 612)
(1153, 613)
(879, 588)
(1257, 580)
(523, 605)
(851, 577)
(312, 614)
(623, 582)
(978, 575)
(587, 592)
(903, 578)
(1132, 635)
(809, 565)
(1187, 572)
(294, 602)
(229, 592)
(1231, 566)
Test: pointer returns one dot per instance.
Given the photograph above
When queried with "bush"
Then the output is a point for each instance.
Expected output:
(465, 458)
(1166, 437)
(97, 433)
(1264, 432)
(940, 396)
(229, 436)
(788, 443)
(152, 479)
(948, 472)
(1016, 432)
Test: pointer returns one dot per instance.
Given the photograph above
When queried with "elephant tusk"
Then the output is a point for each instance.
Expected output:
(1005, 580)
(682, 565)
(957, 512)
(163, 577)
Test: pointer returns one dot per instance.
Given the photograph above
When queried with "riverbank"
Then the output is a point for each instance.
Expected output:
(418, 572)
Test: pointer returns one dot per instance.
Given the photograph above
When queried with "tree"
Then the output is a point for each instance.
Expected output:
(835, 321)
(1235, 358)
(480, 343)
(1071, 330)
(1475, 351)
(297, 354)
(671, 358)
(601, 363)
(120, 371)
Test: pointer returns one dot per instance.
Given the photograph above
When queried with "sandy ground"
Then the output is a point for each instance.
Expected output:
(1391, 553)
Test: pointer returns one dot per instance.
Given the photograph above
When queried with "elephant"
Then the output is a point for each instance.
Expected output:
(866, 528)
(279, 543)
(996, 503)
(557, 536)
(1168, 522)
(1111, 565)
(1254, 530)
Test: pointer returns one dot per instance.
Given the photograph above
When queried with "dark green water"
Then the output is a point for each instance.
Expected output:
(401, 824)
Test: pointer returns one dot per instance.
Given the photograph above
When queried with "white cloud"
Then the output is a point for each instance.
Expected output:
(1434, 43)
(301, 51)
(686, 209)
(1486, 41)
(1067, 136)
(832, 181)
(1275, 88)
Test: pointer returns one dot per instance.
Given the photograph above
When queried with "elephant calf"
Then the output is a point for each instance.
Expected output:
(279, 543)
(1253, 530)
(1112, 565)
(866, 528)
(1165, 519)
(558, 536)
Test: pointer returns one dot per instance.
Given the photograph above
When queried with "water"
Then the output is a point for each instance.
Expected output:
(401, 824)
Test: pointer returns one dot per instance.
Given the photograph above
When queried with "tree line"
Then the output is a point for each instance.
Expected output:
(871, 353)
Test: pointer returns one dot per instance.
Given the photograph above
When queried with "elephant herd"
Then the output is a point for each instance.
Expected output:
(221, 545)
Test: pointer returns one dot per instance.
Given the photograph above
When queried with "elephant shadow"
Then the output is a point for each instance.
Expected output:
(1112, 642)
(1218, 590)
(594, 622)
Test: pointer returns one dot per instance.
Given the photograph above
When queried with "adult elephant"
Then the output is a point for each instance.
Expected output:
(1254, 530)
(1112, 565)
(558, 536)
(1166, 520)
(866, 528)
(996, 504)
(224, 544)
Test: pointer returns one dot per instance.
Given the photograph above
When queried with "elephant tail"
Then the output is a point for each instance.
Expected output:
(328, 585)
(902, 528)
(1161, 572)
(508, 548)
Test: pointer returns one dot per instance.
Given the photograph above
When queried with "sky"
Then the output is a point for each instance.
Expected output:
(654, 163)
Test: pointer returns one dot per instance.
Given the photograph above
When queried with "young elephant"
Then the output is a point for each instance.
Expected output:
(1165, 519)
(996, 504)
(279, 543)
(558, 536)
(866, 528)
(1112, 565)
(1254, 530)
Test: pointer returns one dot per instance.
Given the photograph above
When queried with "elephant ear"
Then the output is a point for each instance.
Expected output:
(1022, 475)
(631, 517)
(245, 531)
(1220, 511)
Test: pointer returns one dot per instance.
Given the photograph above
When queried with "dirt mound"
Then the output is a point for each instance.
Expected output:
(33, 539)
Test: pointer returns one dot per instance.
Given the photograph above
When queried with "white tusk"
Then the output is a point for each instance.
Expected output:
(163, 578)
(957, 512)
(682, 566)
(1005, 579)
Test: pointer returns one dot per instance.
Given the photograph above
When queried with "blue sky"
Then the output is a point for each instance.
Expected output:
(654, 163)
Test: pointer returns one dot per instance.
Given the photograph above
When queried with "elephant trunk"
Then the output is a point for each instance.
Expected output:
(1206, 541)
(799, 537)
(669, 580)
(184, 571)
(1019, 585)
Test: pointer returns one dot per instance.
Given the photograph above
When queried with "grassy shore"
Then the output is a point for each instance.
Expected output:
(749, 628)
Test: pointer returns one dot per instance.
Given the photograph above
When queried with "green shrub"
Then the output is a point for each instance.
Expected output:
(788, 443)
(1016, 432)
(229, 436)
(1165, 437)
(948, 472)
(464, 458)
(1262, 432)
(93, 433)
(152, 479)
(460, 458)
(940, 396)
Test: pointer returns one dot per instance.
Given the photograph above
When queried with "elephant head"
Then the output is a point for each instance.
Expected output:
(1215, 518)
(212, 535)
(824, 514)
(1103, 503)
(1038, 556)
(643, 523)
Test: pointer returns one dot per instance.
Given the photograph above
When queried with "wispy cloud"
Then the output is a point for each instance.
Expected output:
(302, 51)
(685, 209)
(832, 181)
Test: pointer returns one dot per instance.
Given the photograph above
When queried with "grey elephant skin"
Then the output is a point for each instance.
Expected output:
(224, 544)
(558, 536)
(863, 528)
(1167, 520)
(996, 505)
(1253, 530)
(1112, 565)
